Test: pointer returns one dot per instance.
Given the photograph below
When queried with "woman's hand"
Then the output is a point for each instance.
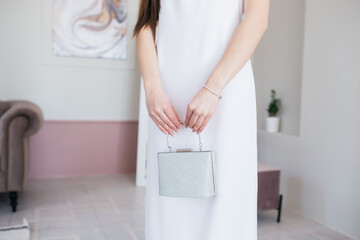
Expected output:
(162, 111)
(200, 110)
(158, 104)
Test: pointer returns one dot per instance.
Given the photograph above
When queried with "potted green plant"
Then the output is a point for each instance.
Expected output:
(273, 121)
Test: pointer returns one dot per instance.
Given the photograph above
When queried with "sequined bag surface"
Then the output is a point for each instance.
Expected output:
(186, 173)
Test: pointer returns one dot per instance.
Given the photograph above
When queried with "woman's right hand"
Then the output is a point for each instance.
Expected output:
(162, 111)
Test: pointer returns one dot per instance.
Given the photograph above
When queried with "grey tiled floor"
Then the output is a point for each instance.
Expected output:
(112, 208)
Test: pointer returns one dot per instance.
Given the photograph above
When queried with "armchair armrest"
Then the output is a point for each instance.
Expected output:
(11, 110)
(4, 106)
(15, 108)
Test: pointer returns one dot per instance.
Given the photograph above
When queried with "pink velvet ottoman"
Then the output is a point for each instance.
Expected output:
(268, 189)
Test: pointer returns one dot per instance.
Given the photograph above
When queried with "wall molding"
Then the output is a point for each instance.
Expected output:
(83, 148)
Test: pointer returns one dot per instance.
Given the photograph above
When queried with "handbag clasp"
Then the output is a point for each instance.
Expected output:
(183, 150)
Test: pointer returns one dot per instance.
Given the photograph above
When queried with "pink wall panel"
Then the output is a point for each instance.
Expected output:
(80, 148)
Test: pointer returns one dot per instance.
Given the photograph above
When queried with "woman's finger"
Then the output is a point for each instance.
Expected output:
(199, 122)
(204, 124)
(173, 117)
(187, 118)
(193, 119)
(163, 124)
(189, 113)
(159, 126)
(167, 121)
(177, 116)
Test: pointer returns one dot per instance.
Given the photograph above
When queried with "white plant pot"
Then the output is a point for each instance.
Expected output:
(272, 124)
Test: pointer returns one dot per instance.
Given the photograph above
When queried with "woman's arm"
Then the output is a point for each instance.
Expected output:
(239, 49)
(159, 106)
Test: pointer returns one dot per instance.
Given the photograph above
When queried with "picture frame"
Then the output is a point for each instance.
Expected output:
(48, 58)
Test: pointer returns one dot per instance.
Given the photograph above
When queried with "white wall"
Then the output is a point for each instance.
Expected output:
(320, 167)
(278, 63)
(89, 90)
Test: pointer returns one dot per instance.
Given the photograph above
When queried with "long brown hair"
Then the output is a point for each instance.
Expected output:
(148, 15)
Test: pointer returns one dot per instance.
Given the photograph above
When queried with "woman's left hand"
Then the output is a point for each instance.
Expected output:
(200, 110)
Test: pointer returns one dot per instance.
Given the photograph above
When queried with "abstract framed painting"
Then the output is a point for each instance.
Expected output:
(90, 28)
(99, 39)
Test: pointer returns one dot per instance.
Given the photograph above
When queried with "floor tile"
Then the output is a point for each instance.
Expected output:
(113, 208)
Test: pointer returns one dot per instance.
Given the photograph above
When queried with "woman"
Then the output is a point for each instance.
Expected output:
(202, 53)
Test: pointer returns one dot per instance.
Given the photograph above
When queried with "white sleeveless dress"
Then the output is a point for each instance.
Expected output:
(192, 37)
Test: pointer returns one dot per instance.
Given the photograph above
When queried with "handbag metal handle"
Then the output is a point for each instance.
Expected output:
(167, 138)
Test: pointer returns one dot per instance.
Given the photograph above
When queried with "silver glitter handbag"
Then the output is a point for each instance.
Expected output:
(186, 173)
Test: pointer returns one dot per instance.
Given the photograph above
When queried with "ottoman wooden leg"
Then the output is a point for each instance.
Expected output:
(13, 200)
(279, 208)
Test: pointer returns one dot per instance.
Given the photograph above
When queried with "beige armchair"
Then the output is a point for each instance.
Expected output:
(19, 119)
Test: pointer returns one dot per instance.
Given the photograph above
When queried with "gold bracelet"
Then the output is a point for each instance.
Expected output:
(213, 92)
